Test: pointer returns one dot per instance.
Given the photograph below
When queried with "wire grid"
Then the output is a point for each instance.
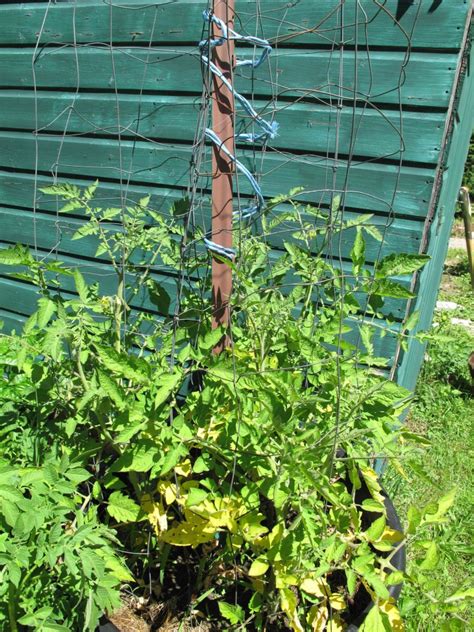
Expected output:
(344, 35)
(338, 159)
(333, 95)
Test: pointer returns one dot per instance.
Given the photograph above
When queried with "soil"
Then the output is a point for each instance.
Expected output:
(453, 267)
(135, 617)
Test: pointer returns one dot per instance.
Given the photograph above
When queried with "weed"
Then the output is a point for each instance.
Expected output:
(443, 412)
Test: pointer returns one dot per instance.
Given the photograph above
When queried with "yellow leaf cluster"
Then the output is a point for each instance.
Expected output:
(203, 521)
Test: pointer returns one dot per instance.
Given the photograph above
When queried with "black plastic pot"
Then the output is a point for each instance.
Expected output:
(398, 560)
(364, 604)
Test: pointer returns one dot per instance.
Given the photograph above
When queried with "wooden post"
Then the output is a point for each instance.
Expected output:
(222, 169)
(467, 219)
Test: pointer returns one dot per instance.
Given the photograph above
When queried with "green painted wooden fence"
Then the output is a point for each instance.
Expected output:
(383, 86)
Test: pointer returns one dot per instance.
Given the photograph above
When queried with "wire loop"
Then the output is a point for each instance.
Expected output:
(269, 129)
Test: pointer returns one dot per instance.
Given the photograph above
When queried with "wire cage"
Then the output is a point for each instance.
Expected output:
(213, 216)
(370, 103)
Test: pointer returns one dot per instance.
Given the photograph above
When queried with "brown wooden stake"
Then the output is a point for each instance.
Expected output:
(222, 169)
(468, 231)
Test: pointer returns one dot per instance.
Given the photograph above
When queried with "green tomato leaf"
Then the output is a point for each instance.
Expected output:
(112, 390)
(366, 333)
(54, 627)
(233, 614)
(167, 383)
(399, 264)
(47, 307)
(16, 256)
(389, 288)
(201, 465)
(397, 577)
(122, 365)
(336, 203)
(14, 573)
(77, 475)
(139, 459)
(411, 321)
(374, 532)
(159, 297)
(369, 504)
(431, 559)
(123, 508)
(358, 252)
(81, 286)
(351, 579)
(414, 519)
(63, 189)
(90, 190)
(172, 458)
(211, 338)
(376, 621)
(255, 603)
(196, 496)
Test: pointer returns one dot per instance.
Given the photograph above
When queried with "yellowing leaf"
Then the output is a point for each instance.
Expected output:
(223, 518)
(158, 518)
(155, 511)
(250, 528)
(336, 624)
(372, 482)
(203, 520)
(184, 469)
(258, 567)
(313, 587)
(168, 490)
(210, 432)
(388, 539)
(276, 534)
(189, 533)
(337, 602)
(282, 579)
(390, 609)
(289, 605)
(317, 618)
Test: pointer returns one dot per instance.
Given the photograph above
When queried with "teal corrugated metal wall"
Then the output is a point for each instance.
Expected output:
(79, 80)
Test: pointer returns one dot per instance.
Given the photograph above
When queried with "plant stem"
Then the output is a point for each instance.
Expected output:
(12, 608)
(118, 312)
(80, 369)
